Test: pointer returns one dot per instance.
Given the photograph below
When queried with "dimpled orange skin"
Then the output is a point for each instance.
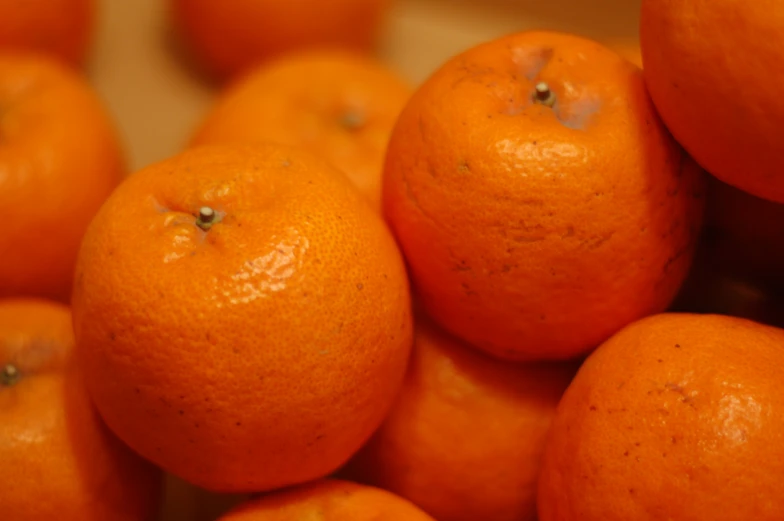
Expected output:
(257, 354)
(60, 158)
(465, 436)
(229, 37)
(678, 416)
(62, 29)
(328, 500)
(59, 460)
(715, 76)
(534, 232)
(339, 104)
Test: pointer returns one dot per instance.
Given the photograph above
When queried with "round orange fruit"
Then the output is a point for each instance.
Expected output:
(59, 160)
(465, 436)
(243, 316)
(59, 459)
(678, 416)
(339, 104)
(328, 500)
(227, 38)
(61, 29)
(539, 201)
(713, 70)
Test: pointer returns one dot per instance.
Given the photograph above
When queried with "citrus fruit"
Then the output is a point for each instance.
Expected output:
(62, 29)
(677, 416)
(713, 70)
(539, 201)
(336, 103)
(429, 449)
(328, 500)
(242, 315)
(227, 38)
(59, 459)
(59, 160)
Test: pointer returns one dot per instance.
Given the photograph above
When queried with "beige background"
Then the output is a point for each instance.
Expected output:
(156, 100)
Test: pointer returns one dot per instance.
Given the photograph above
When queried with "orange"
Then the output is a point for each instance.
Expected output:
(714, 72)
(228, 37)
(536, 223)
(60, 158)
(62, 29)
(678, 416)
(59, 460)
(328, 500)
(339, 104)
(464, 439)
(243, 316)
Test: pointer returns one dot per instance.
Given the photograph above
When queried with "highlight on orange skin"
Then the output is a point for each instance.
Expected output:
(540, 202)
(279, 295)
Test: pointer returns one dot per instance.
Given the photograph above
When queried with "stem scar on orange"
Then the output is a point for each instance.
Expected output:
(243, 316)
(339, 104)
(539, 201)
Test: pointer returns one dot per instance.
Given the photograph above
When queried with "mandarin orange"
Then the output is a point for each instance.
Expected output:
(59, 459)
(242, 315)
(677, 416)
(540, 202)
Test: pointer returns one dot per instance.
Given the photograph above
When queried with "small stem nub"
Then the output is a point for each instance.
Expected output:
(352, 119)
(9, 375)
(207, 217)
(543, 94)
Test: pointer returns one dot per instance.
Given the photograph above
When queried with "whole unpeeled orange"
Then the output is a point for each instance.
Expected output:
(714, 71)
(59, 461)
(678, 416)
(242, 315)
(60, 157)
(539, 200)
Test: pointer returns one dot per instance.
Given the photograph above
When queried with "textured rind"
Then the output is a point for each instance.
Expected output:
(260, 353)
(536, 233)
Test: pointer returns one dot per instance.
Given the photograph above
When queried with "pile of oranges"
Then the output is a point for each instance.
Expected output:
(543, 284)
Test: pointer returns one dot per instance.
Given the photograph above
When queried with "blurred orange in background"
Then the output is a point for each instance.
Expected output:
(227, 37)
(60, 158)
(336, 103)
(62, 29)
